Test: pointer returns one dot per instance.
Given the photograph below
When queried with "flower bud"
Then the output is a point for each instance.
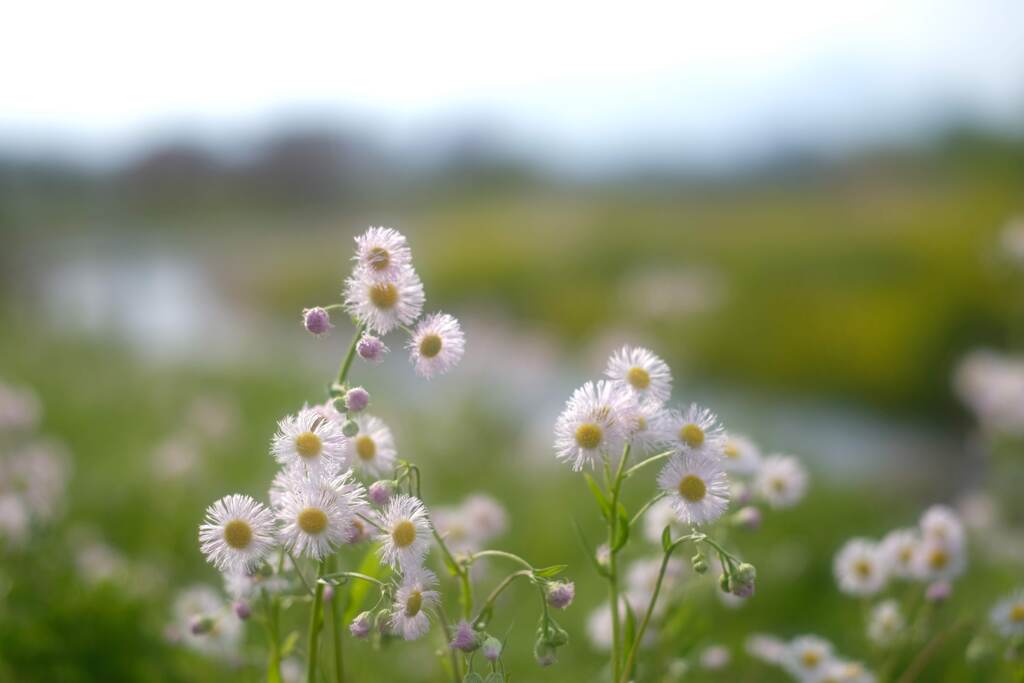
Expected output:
(725, 583)
(700, 563)
(316, 320)
(356, 399)
(339, 404)
(361, 625)
(603, 554)
(200, 624)
(380, 492)
(465, 638)
(491, 649)
(350, 428)
(938, 591)
(743, 580)
(328, 593)
(561, 593)
(544, 654)
(748, 518)
(371, 349)
(242, 610)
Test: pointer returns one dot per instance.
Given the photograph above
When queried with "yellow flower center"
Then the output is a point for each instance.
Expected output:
(691, 435)
(692, 488)
(731, 450)
(641, 423)
(1017, 613)
(308, 444)
(810, 659)
(366, 449)
(378, 258)
(430, 346)
(589, 435)
(384, 295)
(312, 520)
(863, 569)
(404, 533)
(413, 604)
(906, 554)
(938, 559)
(778, 485)
(639, 378)
(238, 534)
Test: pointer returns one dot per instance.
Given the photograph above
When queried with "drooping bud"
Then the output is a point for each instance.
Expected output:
(699, 563)
(938, 591)
(561, 593)
(328, 594)
(361, 625)
(356, 399)
(350, 428)
(242, 610)
(743, 580)
(316, 320)
(491, 649)
(371, 349)
(380, 492)
(465, 638)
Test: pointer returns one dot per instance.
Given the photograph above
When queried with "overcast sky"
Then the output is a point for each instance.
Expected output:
(578, 80)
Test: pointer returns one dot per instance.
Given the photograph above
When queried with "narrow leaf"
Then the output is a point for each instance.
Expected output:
(602, 501)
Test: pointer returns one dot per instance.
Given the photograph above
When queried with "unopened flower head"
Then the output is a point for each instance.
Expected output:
(807, 657)
(491, 649)
(641, 373)
(899, 548)
(1007, 616)
(465, 638)
(382, 254)
(593, 426)
(237, 534)
(372, 450)
(356, 399)
(860, 568)
(313, 521)
(561, 593)
(782, 481)
(748, 518)
(437, 345)
(383, 305)
(405, 534)
(380, 492)
(317, 320)
(415, 595)
(371, 348)
(697, 487)
(742, 456)
(361, 625)
(696, 430)
(886, 623)
(310, 441)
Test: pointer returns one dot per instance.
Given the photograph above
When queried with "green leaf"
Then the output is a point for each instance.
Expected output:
(553, 570)
(589, 549)
(602, 501)
(629, 632)
(494, 677)
(289, 643)
(473, 677)
(666, 538)
(621, 528)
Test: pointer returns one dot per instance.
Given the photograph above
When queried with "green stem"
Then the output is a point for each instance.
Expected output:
(446, 627)
(336, 626)
(613, 579)
(314, 627)
(273, 639)
(647, 506)
(500, 553)
(489, 602)
(350, 356)
(643, 463)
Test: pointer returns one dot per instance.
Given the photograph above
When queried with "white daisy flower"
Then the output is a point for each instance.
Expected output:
(782, 481)
(405, 535)
(845, 672)
(886, 623)
(807, 657)
(941, 523)
(383, 305)
(314, 521)
(766, 648)
(309, 441)
(742, 456)
(937, 560)
(237, 534)
(898, 549)
(408, 614)
(646, 426)
(660, 515)
(372, 450)
(696, 430)
(645, 375)
(1007, 616)
(382, 253)
(697, 487)
(437, 345)
(860, 568)
(593, 426)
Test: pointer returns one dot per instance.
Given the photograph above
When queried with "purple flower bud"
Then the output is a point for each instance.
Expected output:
(328, 592)
(242, 610)
(200, 624)
(380, 492)
(938, 591)
(361, 625)
(561, 593)
(357, 399)
(491, 649)
(748, 518)
(316, 320)
(371, 349)
(743, 580)
(465, 638)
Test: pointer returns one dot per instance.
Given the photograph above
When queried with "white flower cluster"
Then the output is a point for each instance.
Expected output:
(808, 659)
(992, 386)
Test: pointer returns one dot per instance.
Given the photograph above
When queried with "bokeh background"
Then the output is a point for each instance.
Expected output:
(800, 206)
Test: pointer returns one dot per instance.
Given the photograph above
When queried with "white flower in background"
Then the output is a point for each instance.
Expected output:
(697, 487)
(237, 534)
(20, 409)
(599, 627)
(742, 456)
(313, 521)
(1007, 616)
(382, 253)
(37, 473)
(642, 373)
(383, 305)
(807, 657)
(991, 384)
(486, 516)
(782, 481)
(371, 451)
(845, 672)
(310, 441)
(899, 548)
(642, 577)
(695, 430)
(14, 519)
(593, 425)
(206, 624)
(415, 595)
(860, 568)
(660, 515)
(886, 623)
(942, 524)
(405, 534)
(766, 648)
(937, 560)
(646, 426)
(452, 525)
(437, 345)
(715, 657)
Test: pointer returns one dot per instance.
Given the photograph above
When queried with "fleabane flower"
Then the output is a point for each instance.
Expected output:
(899, 548)
(646, 426)
(1007, 616)
(845, 672)
(642, 373)
(781, 481)
(237, 534)
(807, 657)
(937, 560)
(405, 533)
(697, 487)
(742, 456)
(437, 345)
(314, 521)
(309, 441)
(940, 523)
(371, 451)
(860, 568)
(383, 305)
(382, 253)
(886, 623)
(695, 430)
(594, 424)
(414, 596)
